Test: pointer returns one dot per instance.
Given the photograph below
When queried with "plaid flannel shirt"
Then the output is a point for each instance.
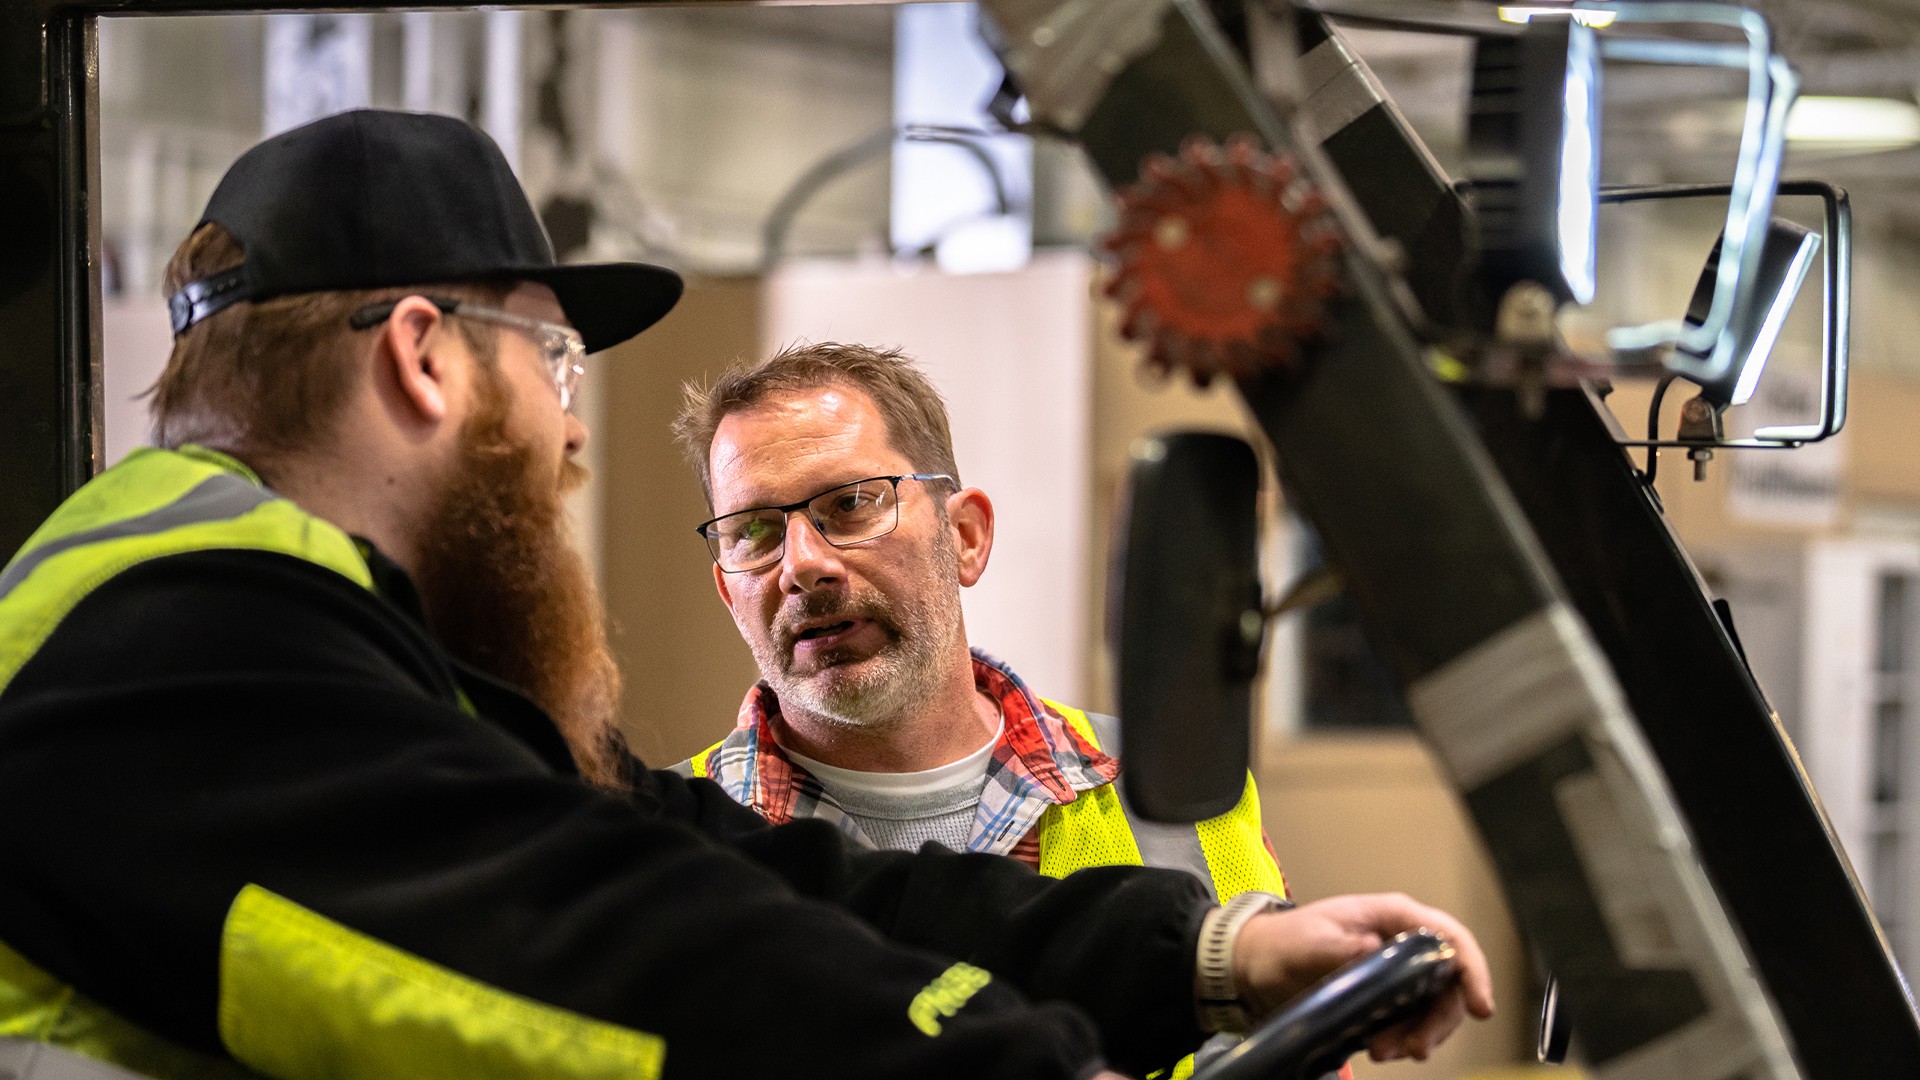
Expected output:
(1039, 761)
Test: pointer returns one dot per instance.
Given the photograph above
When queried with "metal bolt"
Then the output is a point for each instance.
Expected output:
(1700, 455)
(1391, 255)
(1263, 293)
(1526, 315)
(1149, 450)
(1171, 232)
(1252, 625)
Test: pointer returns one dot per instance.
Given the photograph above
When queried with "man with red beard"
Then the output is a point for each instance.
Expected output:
(295, 710)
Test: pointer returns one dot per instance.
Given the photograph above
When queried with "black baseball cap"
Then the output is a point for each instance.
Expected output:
(374, 198)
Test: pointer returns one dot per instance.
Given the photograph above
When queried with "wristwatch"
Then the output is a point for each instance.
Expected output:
(1221, 1007)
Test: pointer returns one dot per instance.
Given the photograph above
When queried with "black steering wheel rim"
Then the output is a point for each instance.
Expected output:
(1317, 1031)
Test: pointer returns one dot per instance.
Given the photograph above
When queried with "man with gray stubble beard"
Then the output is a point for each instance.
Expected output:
(842, 539)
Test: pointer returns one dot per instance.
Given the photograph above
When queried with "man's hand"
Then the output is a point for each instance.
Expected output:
(1278, 956)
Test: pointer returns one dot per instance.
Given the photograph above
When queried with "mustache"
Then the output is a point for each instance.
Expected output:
(573, 476)
(825, 605)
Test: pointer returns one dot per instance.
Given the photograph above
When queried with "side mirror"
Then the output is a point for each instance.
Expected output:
(1187, 624)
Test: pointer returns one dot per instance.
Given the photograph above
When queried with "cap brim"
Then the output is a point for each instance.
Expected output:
(609, 302)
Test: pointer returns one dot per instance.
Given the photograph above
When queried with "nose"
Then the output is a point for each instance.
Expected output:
(809, 561)
(576, 435)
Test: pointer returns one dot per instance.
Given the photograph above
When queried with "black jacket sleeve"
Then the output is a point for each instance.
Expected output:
(208, 721)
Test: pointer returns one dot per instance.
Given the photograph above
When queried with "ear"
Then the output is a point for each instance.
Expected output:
(413, 356)
(720, 586)
(970, 516)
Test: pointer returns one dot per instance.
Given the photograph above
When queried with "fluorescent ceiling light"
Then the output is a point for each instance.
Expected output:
(1854, 120)
(1520, 13)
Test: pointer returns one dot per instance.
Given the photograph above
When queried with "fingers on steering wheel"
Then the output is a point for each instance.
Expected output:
(1432, 1029)
(1391, 1044)
(1416, 1038)
(1476, 978)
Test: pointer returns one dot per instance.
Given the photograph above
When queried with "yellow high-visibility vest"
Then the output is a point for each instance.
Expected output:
(1229, 853)
(1097, 829)
(301, 997)
(153, 504)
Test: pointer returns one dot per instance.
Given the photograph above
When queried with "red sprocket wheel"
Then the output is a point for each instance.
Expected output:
(1226, 260)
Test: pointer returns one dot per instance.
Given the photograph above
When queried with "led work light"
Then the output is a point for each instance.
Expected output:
(1533, 145)
(1785, 255)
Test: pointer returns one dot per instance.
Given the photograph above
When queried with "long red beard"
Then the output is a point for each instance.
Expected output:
(506, 591)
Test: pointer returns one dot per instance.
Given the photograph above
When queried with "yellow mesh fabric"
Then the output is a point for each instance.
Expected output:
(698, 762)
(305, 998)
(1234, 844)
(1236, 850)
(1091, 830)
(1076, 840)
(1180, 1070)
(36, 1006)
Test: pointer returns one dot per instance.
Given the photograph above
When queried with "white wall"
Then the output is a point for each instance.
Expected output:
(711, 115)
(1843, 688)
(1013, 354)
(136, 340)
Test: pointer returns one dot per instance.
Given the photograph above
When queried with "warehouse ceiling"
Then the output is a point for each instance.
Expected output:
(1670, 124)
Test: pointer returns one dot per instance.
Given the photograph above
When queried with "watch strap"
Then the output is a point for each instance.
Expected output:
(1221, 1008)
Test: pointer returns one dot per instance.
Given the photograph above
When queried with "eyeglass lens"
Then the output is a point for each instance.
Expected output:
(564, 361)
(859, 511)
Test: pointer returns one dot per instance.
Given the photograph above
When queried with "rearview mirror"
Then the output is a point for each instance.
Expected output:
(1187, 624)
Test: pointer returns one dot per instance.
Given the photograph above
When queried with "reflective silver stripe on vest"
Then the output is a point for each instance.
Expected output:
(1176, 847)
(40, 1061)
(216, 498)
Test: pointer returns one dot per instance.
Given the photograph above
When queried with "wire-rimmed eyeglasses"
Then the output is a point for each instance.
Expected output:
(755, 538)
(561, 347)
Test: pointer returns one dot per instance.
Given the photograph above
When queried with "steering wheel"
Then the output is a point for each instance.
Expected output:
(1321, 1028)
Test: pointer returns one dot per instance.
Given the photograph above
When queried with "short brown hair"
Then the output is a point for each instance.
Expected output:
(915, 413)
(265, 378)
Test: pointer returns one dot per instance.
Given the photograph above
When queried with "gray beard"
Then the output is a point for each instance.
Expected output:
(892, 684)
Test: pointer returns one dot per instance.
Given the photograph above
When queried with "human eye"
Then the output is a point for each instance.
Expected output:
(748, 532)
(858, 502)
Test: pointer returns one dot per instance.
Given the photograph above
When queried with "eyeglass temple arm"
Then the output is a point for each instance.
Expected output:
(379, 313)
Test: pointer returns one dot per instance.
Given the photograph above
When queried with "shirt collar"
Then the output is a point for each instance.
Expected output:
(1039, 755)
(1042, 747)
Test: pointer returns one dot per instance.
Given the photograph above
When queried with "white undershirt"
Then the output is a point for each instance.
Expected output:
(924, 782)
(905, 809)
